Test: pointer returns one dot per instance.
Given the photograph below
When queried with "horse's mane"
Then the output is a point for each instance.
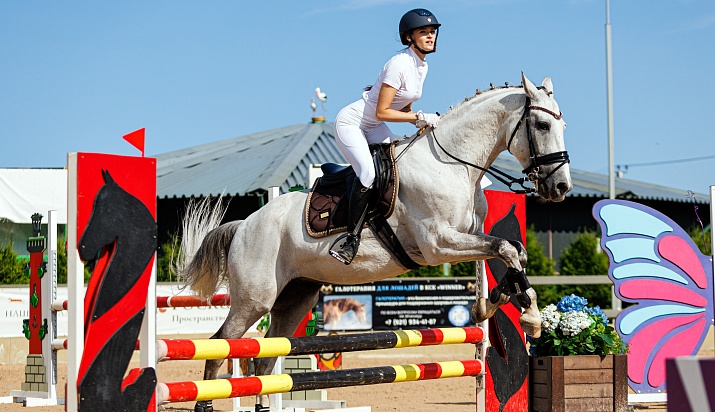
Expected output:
(482, 95)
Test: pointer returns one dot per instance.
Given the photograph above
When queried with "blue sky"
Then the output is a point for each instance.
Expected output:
(76, 76)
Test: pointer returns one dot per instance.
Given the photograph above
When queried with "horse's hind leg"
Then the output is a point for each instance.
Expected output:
(233, 327)
(293, 304)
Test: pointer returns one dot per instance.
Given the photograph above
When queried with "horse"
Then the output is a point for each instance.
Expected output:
(272, 265)
(334, 309)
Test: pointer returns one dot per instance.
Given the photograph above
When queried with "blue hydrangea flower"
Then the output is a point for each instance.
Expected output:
(596, 310)
(571, 303)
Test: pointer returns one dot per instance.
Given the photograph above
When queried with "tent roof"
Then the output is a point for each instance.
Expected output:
(281, 157)
(28, 191)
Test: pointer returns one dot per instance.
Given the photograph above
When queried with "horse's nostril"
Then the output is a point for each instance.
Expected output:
(563, 187)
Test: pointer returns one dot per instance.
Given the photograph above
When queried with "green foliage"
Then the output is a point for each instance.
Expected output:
(540, 265)
(573, 330)
(62, 263)
(584, 257)
(425, 272)
(702, 238)
(166, 254)
(12, 269)
(464, 270)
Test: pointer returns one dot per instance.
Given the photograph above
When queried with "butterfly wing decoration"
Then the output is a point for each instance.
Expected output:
(656, 266)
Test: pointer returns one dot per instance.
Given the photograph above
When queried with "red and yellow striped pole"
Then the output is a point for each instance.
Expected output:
(186, 349)
(172, 302)
(266, 385)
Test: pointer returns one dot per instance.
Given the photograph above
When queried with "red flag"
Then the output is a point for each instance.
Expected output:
(136, 139)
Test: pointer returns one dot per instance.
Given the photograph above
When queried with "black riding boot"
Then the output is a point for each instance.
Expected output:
(359, 204)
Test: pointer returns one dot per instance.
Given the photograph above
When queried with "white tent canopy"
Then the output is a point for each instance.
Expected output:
(27, 191)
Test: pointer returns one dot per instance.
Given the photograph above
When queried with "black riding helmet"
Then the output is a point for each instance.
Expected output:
(414, 19)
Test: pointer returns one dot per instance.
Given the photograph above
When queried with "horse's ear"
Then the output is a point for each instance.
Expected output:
(529, 87)
(107, 177)
(548, 86)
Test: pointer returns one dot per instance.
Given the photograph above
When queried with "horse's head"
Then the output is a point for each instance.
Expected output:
(101, 230)
(359, 310)
(537, 141)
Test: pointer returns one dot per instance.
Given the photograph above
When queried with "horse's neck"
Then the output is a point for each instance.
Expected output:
(475, 131)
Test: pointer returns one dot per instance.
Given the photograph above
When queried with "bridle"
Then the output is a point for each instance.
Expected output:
(537, 160)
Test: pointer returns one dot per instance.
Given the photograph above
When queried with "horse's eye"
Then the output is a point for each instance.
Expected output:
(543, 126)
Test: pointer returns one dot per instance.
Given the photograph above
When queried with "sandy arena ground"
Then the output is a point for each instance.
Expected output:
(446, 395)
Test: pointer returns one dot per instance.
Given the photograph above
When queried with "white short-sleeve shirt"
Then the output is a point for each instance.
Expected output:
(405, 72)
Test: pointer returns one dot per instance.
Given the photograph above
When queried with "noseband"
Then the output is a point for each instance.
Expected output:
(531, 171)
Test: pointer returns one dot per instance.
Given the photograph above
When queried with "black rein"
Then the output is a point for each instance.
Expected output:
(537, 160)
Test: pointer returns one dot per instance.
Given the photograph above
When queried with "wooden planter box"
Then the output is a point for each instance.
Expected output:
(586, 383)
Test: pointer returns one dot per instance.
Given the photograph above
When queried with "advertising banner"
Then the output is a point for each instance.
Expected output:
(409, 303)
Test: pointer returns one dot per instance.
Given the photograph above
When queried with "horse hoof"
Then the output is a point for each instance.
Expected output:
(530, 325)
(204, 406)
(483, 309)
(261, 408)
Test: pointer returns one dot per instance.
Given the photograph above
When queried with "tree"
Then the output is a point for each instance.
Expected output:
(425, 272)
(702, 238)
(62, 263)
(463, 270)
(165, 255)
(12, 270)
(584, 257)
(538, 264)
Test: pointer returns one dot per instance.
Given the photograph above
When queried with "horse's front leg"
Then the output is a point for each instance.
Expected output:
(519, 286)
(455, 246)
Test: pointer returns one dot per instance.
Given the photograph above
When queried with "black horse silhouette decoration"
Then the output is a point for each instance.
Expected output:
(119, 242)
(507, 357)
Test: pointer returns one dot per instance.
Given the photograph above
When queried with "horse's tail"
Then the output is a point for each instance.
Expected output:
(201, 261)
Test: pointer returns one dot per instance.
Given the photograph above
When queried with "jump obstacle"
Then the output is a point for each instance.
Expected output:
(221, 299)
(187, 349)
(149, 352)
(297, 381)
(272, 384)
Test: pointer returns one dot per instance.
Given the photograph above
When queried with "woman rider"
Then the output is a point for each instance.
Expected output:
(390, 99)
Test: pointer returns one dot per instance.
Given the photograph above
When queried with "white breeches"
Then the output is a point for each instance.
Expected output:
(355, 128)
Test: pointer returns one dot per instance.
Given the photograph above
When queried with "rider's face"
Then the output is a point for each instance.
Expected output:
(424, 37)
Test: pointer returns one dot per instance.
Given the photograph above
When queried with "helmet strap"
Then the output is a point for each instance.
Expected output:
(434, 49)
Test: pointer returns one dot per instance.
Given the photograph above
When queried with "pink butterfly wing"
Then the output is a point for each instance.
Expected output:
(678, 251)
(686, 342)
(642, 343)
(660, 290)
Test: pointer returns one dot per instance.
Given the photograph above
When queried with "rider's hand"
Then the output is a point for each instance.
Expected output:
(426, 119)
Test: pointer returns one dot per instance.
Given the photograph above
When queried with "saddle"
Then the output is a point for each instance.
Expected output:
(326, 209)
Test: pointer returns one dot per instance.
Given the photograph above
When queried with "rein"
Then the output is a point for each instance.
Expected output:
(537, 160)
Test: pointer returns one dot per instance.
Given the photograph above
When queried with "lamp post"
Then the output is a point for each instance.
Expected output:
(609, 86)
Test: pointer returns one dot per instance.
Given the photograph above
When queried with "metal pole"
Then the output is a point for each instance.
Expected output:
(609, 82)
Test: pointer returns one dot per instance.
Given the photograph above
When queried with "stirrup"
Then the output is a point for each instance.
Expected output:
(344, 254)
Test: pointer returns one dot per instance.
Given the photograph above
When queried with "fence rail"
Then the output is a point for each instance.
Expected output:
(616, 306)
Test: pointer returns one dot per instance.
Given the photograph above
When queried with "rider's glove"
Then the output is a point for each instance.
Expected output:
(426, 119)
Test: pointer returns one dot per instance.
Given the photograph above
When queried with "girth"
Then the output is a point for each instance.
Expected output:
(326, 209)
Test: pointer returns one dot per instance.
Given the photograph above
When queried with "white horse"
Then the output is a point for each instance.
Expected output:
(273, 265)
